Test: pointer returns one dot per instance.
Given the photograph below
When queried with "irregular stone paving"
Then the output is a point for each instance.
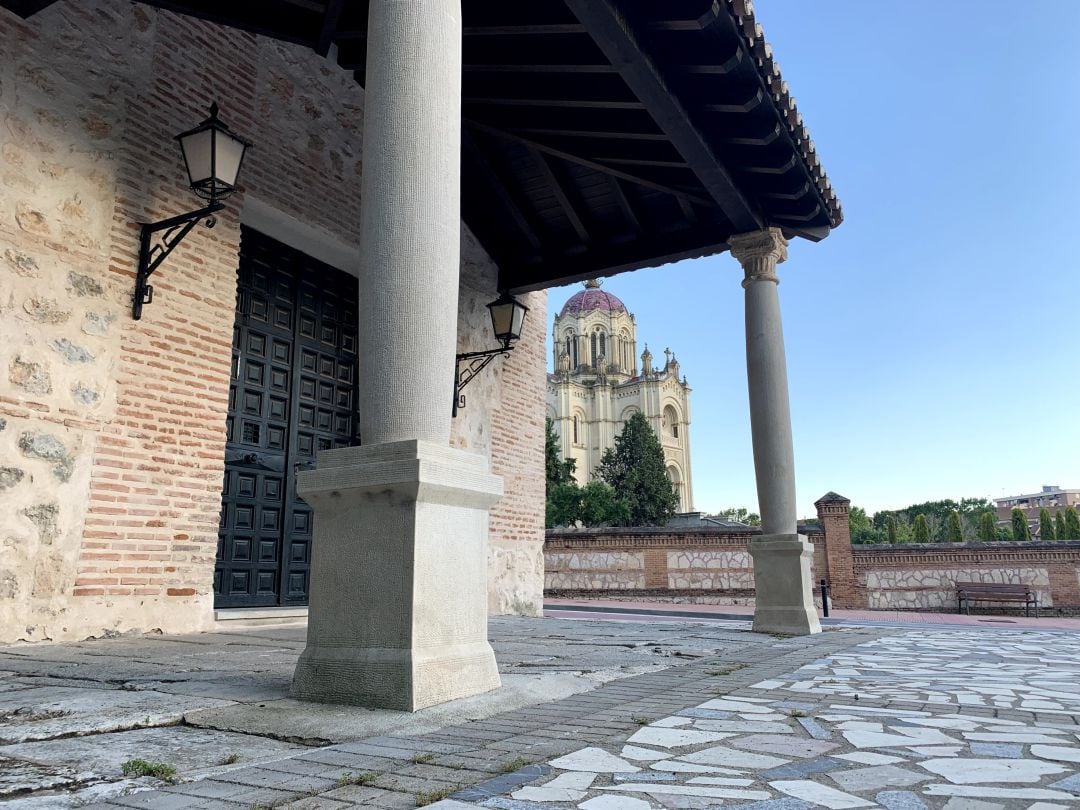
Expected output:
(848, 719)
(927, 719)
(215, 706)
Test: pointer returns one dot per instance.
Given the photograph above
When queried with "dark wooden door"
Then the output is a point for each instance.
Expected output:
(293, 393)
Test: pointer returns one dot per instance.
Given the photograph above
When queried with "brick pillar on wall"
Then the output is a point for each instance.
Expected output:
(839, 568)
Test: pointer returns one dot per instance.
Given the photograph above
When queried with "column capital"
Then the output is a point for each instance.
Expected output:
(759, 252)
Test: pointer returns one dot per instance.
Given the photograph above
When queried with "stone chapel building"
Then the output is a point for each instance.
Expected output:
(597, 386)
(273, 429)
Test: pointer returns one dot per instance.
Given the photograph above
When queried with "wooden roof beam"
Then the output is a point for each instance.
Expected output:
(560, 194)
(612, 33)
(329, 24)
(627, 208)
(508, 203)
(27, 8)
(592, 164)
(522, 30)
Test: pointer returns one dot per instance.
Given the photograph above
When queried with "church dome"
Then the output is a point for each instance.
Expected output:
(590, 299)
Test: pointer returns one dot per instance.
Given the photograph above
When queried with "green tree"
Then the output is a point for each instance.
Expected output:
(1047, 533)
(987, 528)
(890, 529)
(557, 469)
(1059, 525)
(1072, 524)
(635, 469)
(954, 532)
(742, 514)
(1020, 530)
(563, 507)
(600, 506)
(921, 529)
(862, 529)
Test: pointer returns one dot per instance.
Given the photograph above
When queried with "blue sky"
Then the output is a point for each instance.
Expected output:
(932, 339)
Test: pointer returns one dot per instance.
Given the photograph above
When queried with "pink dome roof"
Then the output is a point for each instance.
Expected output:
(590, 299)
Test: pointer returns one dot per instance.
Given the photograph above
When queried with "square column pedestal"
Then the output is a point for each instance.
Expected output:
(784, 595)
(398, 615)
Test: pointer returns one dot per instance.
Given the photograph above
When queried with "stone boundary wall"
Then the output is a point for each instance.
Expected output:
(922, 577)
(712, 566)
(686, 565)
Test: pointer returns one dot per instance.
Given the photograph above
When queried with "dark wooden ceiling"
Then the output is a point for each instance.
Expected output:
(599, 135)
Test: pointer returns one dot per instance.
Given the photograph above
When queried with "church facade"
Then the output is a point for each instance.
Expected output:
(598, 385)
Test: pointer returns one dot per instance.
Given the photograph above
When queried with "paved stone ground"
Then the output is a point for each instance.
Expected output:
(706, 715)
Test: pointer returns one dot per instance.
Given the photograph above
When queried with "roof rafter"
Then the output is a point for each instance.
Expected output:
(613, 35)
(560, 194)
(592, 164)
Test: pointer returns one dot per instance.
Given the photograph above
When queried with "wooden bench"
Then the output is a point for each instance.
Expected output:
(968, 592)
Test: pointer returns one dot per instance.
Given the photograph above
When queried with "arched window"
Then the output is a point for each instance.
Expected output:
(603, 345)
(575, 430)
(671, 422)
(593, 352)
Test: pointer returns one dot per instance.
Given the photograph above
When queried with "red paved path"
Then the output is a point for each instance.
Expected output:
(564, 608)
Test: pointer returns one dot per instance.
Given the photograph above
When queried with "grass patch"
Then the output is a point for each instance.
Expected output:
(797, 713)
(229, 759)
(350, 778)
(158, 770)
(515, 764)
(425, 797)
(727, 670)
(641, 721)
(421, 759)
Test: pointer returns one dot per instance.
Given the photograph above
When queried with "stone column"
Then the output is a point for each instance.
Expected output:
(784, 600)
(398, 613)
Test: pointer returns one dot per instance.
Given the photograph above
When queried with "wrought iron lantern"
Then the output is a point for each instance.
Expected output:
(507, 320)
(213, 155)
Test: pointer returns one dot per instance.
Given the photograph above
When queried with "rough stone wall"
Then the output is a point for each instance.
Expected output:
(112, 431)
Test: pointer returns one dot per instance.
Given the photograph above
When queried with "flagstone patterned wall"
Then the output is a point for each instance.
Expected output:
(712, 566)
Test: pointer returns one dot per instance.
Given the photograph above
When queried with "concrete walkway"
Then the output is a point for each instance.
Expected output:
(595, 714)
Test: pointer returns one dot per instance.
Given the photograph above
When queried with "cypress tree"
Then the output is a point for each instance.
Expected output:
(890, 528)
(1020, 528)
(1047, 532)
(1072, 524)
(921, 529)
(1059, 525)
(953, 530)
(987, 531)
(635, 469)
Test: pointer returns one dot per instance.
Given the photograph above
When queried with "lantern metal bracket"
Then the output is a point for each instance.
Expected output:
(151, 256)
(475, 362)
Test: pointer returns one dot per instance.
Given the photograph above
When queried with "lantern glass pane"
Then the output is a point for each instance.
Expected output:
(519, 320)
(197, 148)
(502, 319)
(230, 152)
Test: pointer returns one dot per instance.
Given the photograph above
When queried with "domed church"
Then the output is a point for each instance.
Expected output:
(598, 385)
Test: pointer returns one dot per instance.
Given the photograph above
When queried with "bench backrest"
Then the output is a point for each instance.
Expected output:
(993, 587)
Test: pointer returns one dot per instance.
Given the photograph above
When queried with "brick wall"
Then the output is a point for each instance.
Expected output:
(112, 431)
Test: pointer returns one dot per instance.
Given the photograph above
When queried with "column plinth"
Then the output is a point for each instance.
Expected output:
(784, 592)
(398, 615)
